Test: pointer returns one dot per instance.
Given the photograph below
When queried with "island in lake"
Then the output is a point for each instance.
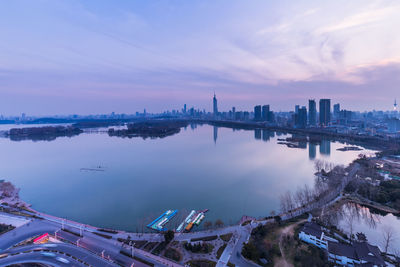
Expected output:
(149, 129)
(45, 133)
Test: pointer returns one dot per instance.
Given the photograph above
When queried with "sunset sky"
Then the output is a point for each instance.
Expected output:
(86, 57)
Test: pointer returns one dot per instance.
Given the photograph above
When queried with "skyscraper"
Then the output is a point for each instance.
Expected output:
(312, 112)
(300, 117)
(336, 110)
(265, 111)
(215, 106)
(324, 112)
(257, 113)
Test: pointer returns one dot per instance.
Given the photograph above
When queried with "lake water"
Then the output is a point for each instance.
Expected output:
(232, 173)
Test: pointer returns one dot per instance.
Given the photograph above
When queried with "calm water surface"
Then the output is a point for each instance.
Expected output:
(232, 173)
(372, 225)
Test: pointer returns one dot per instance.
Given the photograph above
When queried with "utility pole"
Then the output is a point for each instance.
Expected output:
(55, 234)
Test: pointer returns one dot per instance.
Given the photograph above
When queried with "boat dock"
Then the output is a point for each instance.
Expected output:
(193, 219)
(159, 223)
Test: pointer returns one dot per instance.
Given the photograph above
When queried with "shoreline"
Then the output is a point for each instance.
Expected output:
(370, 142)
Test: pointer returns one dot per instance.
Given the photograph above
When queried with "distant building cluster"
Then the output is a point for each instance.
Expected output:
(319, 114)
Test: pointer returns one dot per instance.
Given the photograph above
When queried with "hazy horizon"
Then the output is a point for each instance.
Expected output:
(91, 57)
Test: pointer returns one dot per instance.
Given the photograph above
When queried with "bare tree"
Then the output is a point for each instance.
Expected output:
(287, 202)
(298, 197)
(272, 213)
(319, 165)
(349, 220)
(207, 225)
(308, 193)
(388, 236)
(219, 223)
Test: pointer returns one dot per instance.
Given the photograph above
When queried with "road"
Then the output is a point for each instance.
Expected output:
(91, 245)
(35, 257)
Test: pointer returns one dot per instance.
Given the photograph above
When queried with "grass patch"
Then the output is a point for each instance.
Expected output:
(263, 244)
(110, 231)
(136, 258)
(4, 228)
(246, 223)
(71, 232)
(160, 247)
(226, 237)
(201, 263)
(199, 248)
(149, 246)
(206, 238)
(137, 243)
(230, 264)
(103, 235)
(173, 254)
(220, 251)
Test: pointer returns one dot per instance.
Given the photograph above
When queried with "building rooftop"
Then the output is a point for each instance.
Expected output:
(362, 251)
(340, 249)
(368, 253)
(312, 228)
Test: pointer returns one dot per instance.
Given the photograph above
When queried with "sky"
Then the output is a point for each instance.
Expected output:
(93, 56)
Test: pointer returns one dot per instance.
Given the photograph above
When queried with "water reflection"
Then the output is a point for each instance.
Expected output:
(352, 218)
(266, 135)
(145, 177)
(325, 147)
(257, 134)
(215, 134)
(312, 151)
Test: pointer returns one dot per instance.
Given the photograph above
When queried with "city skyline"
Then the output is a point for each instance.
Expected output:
(93, 57)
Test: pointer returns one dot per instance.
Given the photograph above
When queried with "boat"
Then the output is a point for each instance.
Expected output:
(189, 226)
(159, 223)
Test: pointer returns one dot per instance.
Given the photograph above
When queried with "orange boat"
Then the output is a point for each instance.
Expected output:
(189, 226)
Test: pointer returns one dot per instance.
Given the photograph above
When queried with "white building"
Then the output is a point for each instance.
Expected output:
(359, 253)
(312, 233)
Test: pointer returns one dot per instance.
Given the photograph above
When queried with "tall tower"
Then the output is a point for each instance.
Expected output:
(312, 112)
(395, 105)
(324, 112)
(215, 106)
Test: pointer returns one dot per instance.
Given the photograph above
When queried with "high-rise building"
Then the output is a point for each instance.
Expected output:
(233, 112)
(301, 118)
(265, 111)
(184, 109)
(215, 106)
(312, 112)
(324, 112)
(257, 113)
(296, 109)
(336, 110)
